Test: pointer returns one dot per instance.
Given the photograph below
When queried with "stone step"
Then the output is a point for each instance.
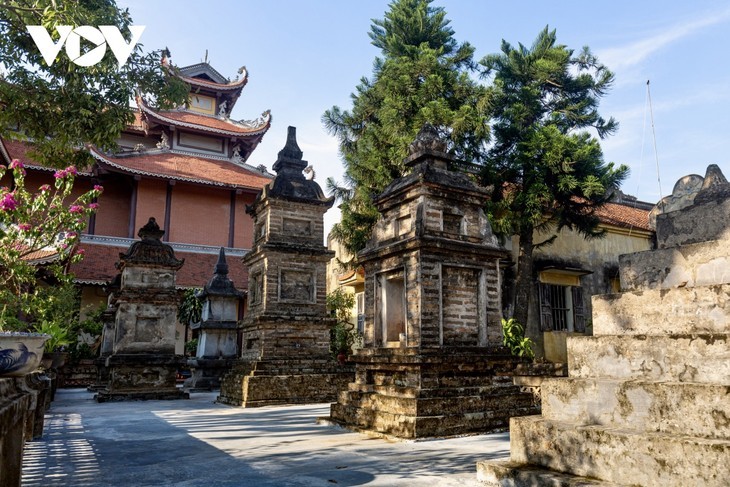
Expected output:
(486, 388)
(436, 404)
(620, 456)
(505, 473)
(692, 265)
(410, 426)
(684, 310)
(674, 358)
(667, 407)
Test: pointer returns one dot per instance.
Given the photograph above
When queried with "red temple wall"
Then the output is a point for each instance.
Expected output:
(199, 215)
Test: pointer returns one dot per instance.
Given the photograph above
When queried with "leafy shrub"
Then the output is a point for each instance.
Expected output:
(515, 339)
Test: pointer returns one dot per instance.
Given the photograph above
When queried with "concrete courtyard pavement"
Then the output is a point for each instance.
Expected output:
(197, 442)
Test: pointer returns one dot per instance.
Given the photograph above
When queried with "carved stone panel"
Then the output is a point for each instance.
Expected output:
(256, 287)
(146, 329)
(296, 285)
(297, 228)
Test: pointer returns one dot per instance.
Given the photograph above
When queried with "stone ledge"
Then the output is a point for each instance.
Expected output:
(699, 264)
(512, 474)
(677, 408)
(679, 358)
(684, 310)
(620, 456)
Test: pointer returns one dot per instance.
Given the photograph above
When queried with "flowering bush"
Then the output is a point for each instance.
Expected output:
(47, 220)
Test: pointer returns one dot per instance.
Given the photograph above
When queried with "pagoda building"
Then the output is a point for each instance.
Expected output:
(187, 167)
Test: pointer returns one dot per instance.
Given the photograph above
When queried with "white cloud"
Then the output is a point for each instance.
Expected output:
(634, 53)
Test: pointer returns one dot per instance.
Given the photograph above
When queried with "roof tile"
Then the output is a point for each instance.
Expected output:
(185, 167)
(623, 216)
(97, 266)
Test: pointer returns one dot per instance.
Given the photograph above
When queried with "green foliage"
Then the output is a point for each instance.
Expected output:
(514, 338)
(93, 324)
(64, 106)
(340, 304)
(545, 170)
(86, 336)
(544, 167)
(59, 335)
(191, 347)
(342, 334)
(49, 219)
(422, 77)
(190, 308)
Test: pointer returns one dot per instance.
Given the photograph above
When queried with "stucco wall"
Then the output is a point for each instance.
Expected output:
(570, 249)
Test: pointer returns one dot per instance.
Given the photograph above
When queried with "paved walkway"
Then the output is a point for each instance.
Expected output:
(199, 443)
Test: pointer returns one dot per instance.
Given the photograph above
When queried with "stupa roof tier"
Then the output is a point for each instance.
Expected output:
(182, 166)
(205, 123)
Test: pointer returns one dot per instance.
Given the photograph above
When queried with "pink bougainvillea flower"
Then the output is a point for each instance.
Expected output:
(71, 170)
(76, 209)
(45, 187)
(8, 202)
(15, 163)
(24, 227)
(79, 252)
(98, 188)
(60, 174)
(94, 206)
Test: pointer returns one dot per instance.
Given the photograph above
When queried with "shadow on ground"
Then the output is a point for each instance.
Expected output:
(199, 443)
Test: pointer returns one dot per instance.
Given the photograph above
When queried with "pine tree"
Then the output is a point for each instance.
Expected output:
(422, 76)
(545, 170)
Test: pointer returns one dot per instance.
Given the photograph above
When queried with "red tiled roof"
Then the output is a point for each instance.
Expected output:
(41, 256)
(206, 123)
(97, 267)
(16, 149)
(184, 167)
(623, 216)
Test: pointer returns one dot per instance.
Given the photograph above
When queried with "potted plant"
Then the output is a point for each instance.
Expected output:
(20, 352)
(54, 353)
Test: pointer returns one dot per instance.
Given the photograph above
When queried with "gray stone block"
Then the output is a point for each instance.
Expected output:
(511, 474)
(682, 310)
(620, 456)
(677, 358)
(699, 264)
(667, 407)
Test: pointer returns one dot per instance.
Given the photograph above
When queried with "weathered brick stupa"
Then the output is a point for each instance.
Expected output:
(647, 397)
(285, 355)
(142, 363)
(432, 362)
(217, 348)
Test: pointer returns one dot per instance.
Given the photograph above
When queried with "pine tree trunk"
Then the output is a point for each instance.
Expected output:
(523, 279)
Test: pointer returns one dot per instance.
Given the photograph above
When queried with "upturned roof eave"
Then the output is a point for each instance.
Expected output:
(163, 120)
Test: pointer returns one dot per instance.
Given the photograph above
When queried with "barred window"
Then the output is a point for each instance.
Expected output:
(561, 308)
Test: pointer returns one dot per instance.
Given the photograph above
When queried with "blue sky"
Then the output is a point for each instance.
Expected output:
(303, 57)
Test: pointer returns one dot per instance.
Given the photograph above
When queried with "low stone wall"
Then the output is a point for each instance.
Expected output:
(81, 374)
(411, 393)
(284, 381)
(23, 403)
